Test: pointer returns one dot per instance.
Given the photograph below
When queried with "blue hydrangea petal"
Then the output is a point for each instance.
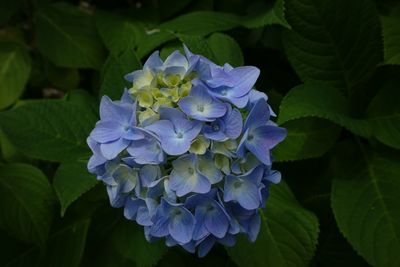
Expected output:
(205, 246)
(112, 111)
(154, 61)
(244, 189)
(182, 225)
(97, 159)
(176, 59)
(234, 124)
(258, 116)
(245, 77)
(147, 150)
(201, 106)
(112, 149)
(208, 169)
(260, 140)
(148, 174)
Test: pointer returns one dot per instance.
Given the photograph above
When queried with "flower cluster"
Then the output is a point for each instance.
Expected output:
(186, 151)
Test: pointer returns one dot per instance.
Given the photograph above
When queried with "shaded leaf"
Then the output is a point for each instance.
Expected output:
(68, 37)
(52, 130)
(307, 138)
(15, 68)
(26, 202)
(321, 101)
(71, 180)
(391, 38)
(219, 47)
(365, 202)
(288, 234)
(322, 47)
(128, 239)
(114, 70)
(384, 115)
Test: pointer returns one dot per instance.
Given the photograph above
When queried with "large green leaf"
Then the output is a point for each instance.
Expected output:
(65, 247)
(333, 41)
(128, 239)
(26, 202)
(391, 38)
(219, 47)
(114, 70)
(68, 37)
(8, 8)
(384, 115)
(119, 33)
(15, 68)
(307, 138)
(201, 23)
(71, 180)
(263, 16)
(319, 100)
(365, 201)
(288, 235)
(52, 130)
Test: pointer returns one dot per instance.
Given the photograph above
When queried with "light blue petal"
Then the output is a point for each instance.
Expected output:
(176, 59)
(148, 174)
(234, 124)
(112, 149)
(154, 61)
(245, 77)
(181, 225)
(206, 167)
(260, 140)
(258, 116)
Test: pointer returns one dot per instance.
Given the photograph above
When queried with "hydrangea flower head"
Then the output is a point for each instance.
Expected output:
(186, 151)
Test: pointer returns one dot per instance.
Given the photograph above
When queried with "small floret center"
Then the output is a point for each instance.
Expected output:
(179, 135)
(200, 108)
(190, 170)
(250, 137)
(215, 127)
(237, 184)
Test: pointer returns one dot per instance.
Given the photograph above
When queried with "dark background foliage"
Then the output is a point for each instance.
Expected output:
(331, 71)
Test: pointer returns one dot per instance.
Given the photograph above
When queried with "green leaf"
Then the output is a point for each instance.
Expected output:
(265, 16)
(152, 39)
(26, 202)
(52, 130)
(307, 138)
(119, 33)
(68, 37)
(128, 239)
(288, 235)
(219, 47)
(201, 23)
(71, 180)
(114, 70)
(14, 72)
(65, 247)
(384, 115)
(8, 8)
(365, 201)
(391, 38)
(321, 101)
(321, 47)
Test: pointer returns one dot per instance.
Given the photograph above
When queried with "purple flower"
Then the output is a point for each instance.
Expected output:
(175, 131)
(185, 176)
(228, 127)
(116, 127)
(245, 189)
(227, 83)
(175, 220)
(210, 215)
(201, 106)
(260, 136)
